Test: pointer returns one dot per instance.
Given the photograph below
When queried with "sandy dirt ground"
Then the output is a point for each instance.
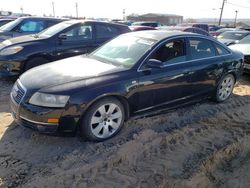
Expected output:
(203, 145)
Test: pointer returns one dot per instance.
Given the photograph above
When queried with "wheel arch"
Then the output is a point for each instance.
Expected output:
(120, 98)
(29, 58)
(225, 74)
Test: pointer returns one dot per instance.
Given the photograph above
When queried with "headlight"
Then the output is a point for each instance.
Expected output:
(11, 50)
(48, 100)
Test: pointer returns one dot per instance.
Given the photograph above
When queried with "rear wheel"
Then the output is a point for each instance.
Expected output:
(225, 88)
(34, 62)
(103, 120)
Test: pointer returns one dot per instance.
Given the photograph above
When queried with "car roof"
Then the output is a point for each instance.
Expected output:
(146, 22)
(237, 31)
(161, 34)
(6, 19)
(39, 18)
(92, 21)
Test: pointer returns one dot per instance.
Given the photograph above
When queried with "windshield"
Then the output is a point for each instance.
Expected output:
(232, 35)
(124, 50)
(51, 31)
(9, 26)
(245, 40)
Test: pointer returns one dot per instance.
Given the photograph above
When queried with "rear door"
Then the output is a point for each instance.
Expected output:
(105, 32)
(205, 64)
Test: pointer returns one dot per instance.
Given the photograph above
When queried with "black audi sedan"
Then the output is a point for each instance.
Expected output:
(66, 39)
(134, 74)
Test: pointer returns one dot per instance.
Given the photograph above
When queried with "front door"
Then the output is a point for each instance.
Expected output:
(79, 39)
(168, 84)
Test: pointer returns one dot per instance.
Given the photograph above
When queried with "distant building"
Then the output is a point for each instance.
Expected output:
(5, 13)
(164, 19)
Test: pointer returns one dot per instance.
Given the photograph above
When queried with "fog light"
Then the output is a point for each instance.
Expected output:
(53, 120)
(7, 67)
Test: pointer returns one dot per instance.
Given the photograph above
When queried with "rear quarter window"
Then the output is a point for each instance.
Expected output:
(221, 50)
(201, 48)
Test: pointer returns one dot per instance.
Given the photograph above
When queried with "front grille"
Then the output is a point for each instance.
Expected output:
(18, 92)
(247, 59)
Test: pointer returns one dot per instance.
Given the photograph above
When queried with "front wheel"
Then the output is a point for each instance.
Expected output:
(225, 88)
(103, 120)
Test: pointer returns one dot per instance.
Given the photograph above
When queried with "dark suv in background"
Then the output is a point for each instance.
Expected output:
(25, 26)
(66, 39)
(4, 21)
(147, 23)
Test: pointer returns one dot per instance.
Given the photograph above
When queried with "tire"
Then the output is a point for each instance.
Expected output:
(103, 120)
(225, 88)
(34, 62)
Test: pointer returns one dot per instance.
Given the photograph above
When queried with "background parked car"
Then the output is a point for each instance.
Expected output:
(244, 47)
(218, 32)
(232, 37)
(5, 21)
(185, 29)
(141, 28)
(135, 74)
(213, 28)
(60, 41)
(150, 24)
(25, 26)
(205, 27)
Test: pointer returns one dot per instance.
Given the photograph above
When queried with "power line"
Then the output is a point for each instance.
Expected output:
(242, 6)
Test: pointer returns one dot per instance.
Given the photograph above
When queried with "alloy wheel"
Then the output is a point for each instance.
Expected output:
(226, 87)
(106, 120)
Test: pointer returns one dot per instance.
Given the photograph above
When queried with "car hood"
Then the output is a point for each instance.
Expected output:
(243, 48)
(21, 39)
(66, 71)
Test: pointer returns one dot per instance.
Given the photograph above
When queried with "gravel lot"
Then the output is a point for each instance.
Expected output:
(203, 145)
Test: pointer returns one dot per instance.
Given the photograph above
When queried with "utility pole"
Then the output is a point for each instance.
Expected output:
(53, 8)
(124, 15)
(236, 13)
(21, 8)
(76, 9)
(223, 3)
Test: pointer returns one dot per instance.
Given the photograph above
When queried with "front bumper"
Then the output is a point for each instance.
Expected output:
(36, 118)
(9, 68)
(247, 68)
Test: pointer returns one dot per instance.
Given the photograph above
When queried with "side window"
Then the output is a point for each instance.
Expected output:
(221, 50)
(51, 23)
(106, 31)
(82, 32)
(201, 48)
(31, 26)
(171, 52)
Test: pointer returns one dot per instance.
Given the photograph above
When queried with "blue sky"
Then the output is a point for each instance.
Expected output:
(113, 8)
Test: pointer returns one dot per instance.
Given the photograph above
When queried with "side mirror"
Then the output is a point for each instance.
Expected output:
(62, 36)
(154, 63)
